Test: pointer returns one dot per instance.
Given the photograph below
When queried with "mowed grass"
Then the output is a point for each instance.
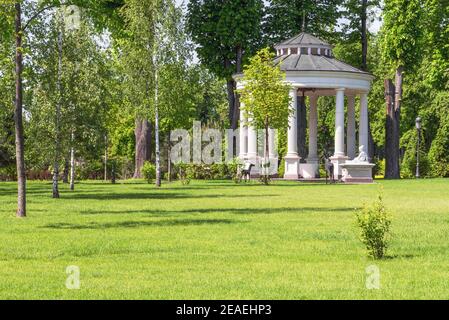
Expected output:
(218, 240)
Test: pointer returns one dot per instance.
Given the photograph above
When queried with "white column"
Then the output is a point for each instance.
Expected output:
(363, 125)
(313, 130)
(292, 158)
(271, 142)
(292, 150)
(252, 142)
(340, 124)
(350, 134)
(243, 134)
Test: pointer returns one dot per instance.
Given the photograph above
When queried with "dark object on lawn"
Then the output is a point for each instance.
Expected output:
(246, 171)
(329, 171)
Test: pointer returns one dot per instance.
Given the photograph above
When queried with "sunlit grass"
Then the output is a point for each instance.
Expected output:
(218, 240)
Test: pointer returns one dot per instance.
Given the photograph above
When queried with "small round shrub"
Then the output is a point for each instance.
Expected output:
(149, 171)
(374, 223)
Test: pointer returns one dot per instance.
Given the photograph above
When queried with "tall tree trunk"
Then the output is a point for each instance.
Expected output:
(266, 155)
(397, 113)
(65, 173)
(72, 166)
(20, 159)
(106, 159)
(58, 113)
(113, 178)
(230, 88)
(156, 127)
(143, 145)
(302, 127)
(169, 158)
(363, 18)
(230, 85)
(393, 97)
(236, 107)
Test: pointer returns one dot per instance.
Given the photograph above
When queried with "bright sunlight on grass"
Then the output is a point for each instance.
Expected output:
(218, 240)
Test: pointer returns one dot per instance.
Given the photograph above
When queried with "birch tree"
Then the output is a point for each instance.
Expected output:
(153, 35)
(266, 98)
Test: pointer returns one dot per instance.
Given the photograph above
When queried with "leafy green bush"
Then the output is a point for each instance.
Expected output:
(219, 171)
(184, 172)
(408, 168)
(8, 173)
(374, 223)
(322, 171)
(281, 170)
(438, 154)
(379, 169)
(149, 171)
(90, 170)
(234, 169)
(200, 171)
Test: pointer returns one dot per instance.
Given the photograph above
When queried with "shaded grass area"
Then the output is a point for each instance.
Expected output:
(218, 240)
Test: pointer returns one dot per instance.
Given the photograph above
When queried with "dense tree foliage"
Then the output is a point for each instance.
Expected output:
(227, 34)
(286, 18)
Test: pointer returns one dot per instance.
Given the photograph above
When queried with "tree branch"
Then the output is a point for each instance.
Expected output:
(36, 14)
(42, 10)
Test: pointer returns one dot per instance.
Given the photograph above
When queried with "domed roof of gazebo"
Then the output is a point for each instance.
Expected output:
(305, 52)
(308, 63)
(304, 39)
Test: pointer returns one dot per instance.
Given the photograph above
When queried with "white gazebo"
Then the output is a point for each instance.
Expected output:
(312, 70)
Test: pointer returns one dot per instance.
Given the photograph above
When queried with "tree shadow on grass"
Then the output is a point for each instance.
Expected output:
(248, 211)
(138, 224)
(398, 256)
(155, 195)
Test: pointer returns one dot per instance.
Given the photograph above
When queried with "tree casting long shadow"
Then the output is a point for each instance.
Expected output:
(249, 211)
(154, 195)
(137, 224)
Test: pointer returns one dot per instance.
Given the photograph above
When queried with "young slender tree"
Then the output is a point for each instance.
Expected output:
(18, 117)
(58, 105)
(265, 98)
(152, 44)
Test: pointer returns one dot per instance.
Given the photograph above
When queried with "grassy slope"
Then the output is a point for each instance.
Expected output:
(215, 240)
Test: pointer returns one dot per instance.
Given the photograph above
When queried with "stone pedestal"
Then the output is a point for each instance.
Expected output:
(338, 161)
(291, 167)
(357, 172)
(309, 170)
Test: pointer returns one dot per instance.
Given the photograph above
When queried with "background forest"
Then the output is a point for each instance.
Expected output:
(105, 81)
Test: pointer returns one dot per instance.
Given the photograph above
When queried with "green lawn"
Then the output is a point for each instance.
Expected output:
(218, 240)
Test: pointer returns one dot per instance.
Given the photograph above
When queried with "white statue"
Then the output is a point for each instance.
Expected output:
(362, 157)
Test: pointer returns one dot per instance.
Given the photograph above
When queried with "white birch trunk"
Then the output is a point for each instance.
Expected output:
(72, 165)
(156, 129)
(58, 112)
